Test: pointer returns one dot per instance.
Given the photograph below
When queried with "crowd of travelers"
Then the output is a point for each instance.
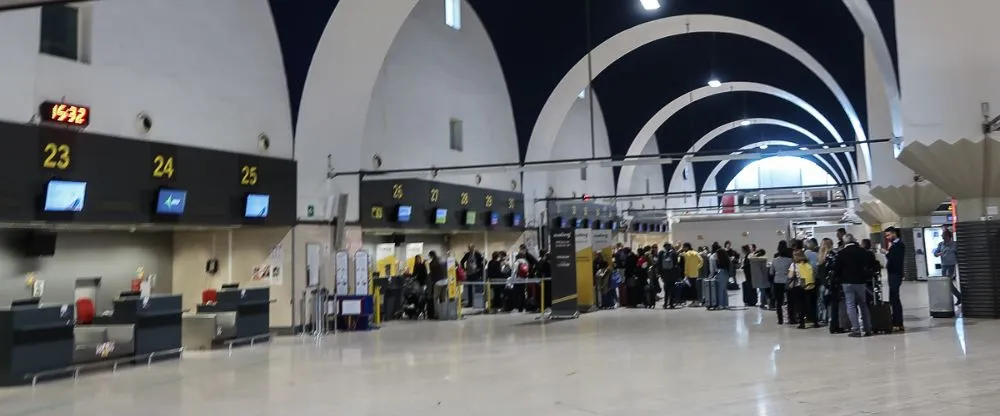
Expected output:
(807, 283)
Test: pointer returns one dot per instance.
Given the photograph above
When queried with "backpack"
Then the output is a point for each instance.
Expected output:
(667, 260)
(523, 269)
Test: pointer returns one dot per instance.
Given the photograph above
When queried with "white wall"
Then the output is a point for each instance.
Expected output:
(209, 73)
(680, 184)
(764, 233)
(574, 142)
(642, 174)
(886, 170)
(112, 256)
(432, 73)
(947, 67)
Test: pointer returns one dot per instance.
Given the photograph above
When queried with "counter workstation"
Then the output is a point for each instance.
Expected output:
(34, 339)
(235, 316)
(156, 323)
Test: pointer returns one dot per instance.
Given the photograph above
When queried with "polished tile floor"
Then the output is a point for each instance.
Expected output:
(642, 362)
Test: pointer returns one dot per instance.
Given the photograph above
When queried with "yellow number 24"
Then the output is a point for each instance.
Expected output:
(56, 156)
(163, 166)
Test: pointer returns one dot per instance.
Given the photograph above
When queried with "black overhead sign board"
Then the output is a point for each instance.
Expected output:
(123, 179)
(438, 206)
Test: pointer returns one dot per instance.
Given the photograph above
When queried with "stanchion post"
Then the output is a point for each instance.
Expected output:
(541, 302)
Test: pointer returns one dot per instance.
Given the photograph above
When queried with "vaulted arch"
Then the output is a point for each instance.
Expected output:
(556, 107)
(718, 168)
(649, 129)
(704, 140)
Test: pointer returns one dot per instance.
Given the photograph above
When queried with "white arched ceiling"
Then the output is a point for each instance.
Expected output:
(601, 57)
(718, 167)
(338, 91)
(718, 131)
(646, 133)
(865, 17)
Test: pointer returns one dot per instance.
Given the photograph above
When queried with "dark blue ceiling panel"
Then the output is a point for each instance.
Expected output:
(300, 25)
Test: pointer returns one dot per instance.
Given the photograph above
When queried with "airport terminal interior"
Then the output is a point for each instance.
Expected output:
(485, 207)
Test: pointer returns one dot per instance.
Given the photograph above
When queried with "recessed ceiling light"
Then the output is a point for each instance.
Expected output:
(763, 147)
(843, 145)
(715, 83)
(650, 4)
(826, 147)
(803, 148)
(745, 123)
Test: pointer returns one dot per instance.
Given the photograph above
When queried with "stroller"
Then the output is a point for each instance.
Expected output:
(415, 299)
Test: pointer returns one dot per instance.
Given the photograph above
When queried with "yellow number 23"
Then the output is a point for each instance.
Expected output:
(56, 156)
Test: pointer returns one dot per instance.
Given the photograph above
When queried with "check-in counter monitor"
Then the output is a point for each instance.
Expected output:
(33, 340)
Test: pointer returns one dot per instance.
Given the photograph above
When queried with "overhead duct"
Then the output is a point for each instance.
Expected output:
(805, 214)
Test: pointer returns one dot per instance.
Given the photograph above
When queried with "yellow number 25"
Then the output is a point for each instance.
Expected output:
(249, 175)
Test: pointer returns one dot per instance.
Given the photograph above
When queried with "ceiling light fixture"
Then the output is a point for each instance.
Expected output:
(715, 83)
(826, 147)
(745, 123)
(650, 4)
(763, 147)
(803, 148)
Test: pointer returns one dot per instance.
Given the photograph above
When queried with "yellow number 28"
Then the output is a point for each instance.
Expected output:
(163, 166)
(56, 156)
(249, 175)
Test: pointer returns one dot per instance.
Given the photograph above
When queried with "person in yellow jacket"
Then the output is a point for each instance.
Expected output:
(692, 267)
(802, 289)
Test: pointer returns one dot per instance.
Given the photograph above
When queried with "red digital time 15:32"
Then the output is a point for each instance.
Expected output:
(64, 113)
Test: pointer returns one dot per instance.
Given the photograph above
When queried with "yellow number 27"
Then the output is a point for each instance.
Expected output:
(56, 156)
(163, 166)
(249, 175)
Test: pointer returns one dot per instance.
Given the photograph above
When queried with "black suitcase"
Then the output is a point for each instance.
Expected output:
(710, 293)
(749, 294)
(881, 313)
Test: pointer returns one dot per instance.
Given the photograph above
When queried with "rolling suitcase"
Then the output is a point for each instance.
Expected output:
(678, 293)
(749, 294)
(881, 314)
(709, 292)
(844, 320)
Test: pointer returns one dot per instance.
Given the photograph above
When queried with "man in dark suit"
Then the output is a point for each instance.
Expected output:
(895, 256)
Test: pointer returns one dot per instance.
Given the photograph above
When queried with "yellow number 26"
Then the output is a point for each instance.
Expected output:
(248, 175)
(57, 156)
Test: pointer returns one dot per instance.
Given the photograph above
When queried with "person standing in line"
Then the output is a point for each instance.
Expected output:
(473, 264)
(782, 261)
(840, 237)
(812, 255)
(802, 290)
(947, 250)
(834, 291)
(692, 268)
(719, 264)
(438, 274)
(669, 274)
(894, 267)
(734, 261)
(853, 269)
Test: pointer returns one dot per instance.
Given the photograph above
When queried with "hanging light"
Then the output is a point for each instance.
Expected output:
(714, 83)
(650, 4)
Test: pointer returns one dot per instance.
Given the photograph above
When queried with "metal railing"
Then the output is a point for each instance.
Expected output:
(77, 368)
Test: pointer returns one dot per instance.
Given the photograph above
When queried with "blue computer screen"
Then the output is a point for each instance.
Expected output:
(257, 205)
(171, 201)
(65, 196)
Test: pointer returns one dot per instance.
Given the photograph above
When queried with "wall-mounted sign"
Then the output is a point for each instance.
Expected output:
(63, 113)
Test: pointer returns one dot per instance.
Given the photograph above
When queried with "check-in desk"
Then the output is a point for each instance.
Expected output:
(33, 340)
(249, 309)
(157, 323)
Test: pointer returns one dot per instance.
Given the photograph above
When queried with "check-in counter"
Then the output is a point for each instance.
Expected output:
(93, 343)
(34, 339)
(252, 307)
(157, 322)
(204, 330)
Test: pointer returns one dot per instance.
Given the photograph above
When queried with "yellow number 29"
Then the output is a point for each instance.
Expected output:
(56, 156)
(249, 175)
(163, 166)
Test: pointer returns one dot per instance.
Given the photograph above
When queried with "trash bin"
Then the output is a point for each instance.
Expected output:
(447, 310)
(941, 303)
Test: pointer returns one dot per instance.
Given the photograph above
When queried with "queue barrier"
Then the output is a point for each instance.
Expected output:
(519, 281)
(77, 368)
(230, 343)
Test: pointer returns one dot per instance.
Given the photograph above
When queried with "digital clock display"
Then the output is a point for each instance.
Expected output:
(64, 113)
